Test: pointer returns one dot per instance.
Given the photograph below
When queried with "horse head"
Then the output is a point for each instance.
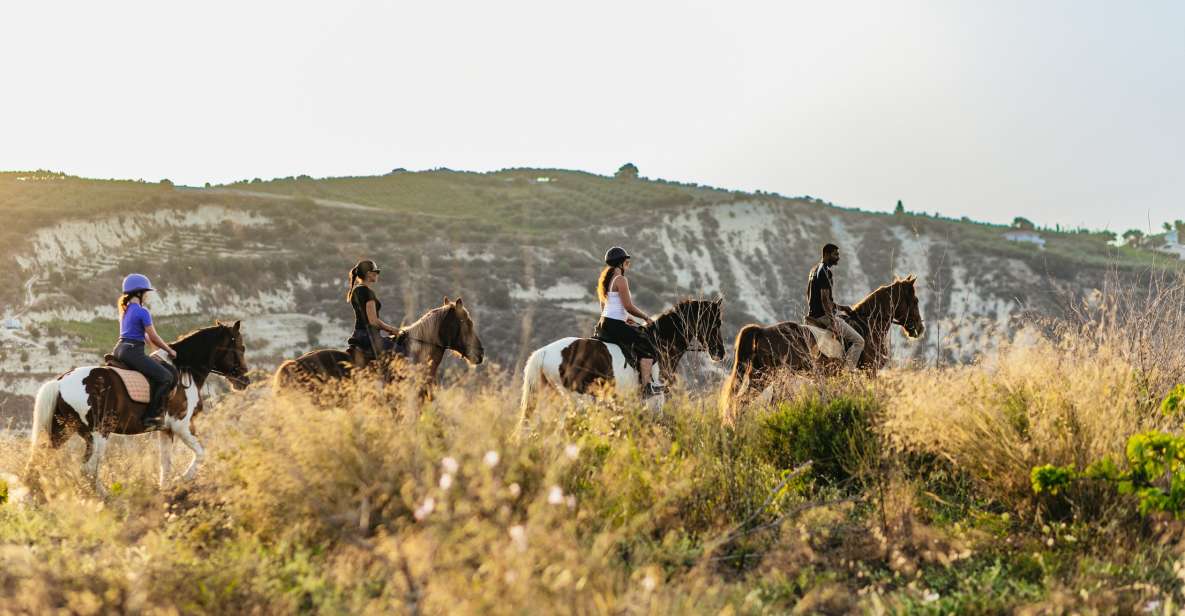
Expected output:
(459, 333)
(229, 355)
(694, 320)
(905, 306)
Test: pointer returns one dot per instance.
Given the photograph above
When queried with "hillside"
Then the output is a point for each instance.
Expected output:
(522, 246)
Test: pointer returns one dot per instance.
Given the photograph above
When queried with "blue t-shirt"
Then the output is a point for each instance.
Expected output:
(135, 320)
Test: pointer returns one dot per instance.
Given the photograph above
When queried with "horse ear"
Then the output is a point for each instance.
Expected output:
(446, 299)
(912, 278)
(458, 302)
(237, 323)
(718, 301)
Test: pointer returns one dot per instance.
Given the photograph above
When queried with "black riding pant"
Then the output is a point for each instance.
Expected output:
(160, 380)
(634, 344)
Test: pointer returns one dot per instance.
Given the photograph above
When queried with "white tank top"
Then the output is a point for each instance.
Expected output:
(614, 309)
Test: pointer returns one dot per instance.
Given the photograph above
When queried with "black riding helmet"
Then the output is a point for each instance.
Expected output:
(615, 255)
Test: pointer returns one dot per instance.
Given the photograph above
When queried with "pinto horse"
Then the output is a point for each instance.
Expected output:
(583, 365)
(761, 352)
(93, 401)
(446, 328)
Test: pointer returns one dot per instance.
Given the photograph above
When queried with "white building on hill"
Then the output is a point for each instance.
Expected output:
(1025, 235)
(1172, 244)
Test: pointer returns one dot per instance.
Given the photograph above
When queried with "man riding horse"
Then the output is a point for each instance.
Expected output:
(821, 310)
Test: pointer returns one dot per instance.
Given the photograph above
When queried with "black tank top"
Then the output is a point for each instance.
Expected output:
(358, 298)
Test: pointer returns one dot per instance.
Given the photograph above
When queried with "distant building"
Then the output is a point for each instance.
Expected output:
(12, 323)
(1025, 235)
(1172, 244)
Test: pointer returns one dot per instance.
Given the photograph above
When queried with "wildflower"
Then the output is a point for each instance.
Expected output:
(515, 490)
(450, 465)
(518, 535)
(572, 451)
(648, 583)
(446, 481)
(555, 496)
(491, 458)
(425, 508)
(930, 596)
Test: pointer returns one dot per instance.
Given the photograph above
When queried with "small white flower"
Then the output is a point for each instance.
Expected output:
(515, 490)
(446, 481)
(555, 496)
(518, 535)
(648, 583)
(491, 458)
(450, 465)
(425, 508)
(930, 596)
(572, 451)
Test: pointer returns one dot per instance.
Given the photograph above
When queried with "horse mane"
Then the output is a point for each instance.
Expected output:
(432, 317)
(877, 293)
(186, 343)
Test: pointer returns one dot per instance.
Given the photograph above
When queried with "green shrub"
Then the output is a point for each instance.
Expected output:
(831, 434)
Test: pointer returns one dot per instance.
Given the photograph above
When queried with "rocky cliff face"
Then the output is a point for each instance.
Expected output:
(278, 262)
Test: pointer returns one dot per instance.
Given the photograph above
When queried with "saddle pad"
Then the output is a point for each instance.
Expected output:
(826, 342)
(135, 383)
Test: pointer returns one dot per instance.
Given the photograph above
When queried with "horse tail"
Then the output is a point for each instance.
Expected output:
(532, 375)
(43, 408)
(742, 358)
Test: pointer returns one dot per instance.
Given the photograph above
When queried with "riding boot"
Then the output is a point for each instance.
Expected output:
(154, 417)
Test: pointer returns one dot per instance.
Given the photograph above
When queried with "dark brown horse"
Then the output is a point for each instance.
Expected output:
(447, 328)
(93, 401)
(764, 351)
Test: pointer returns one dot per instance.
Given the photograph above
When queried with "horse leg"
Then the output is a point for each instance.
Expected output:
(96, 445)
(164, 440)
(190, 441)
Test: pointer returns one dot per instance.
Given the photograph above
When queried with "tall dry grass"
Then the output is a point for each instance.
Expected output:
(814, 503)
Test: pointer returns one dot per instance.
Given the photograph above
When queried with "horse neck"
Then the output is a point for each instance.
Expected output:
(195, 353)
(671, 335)
(425, 334)
(877, 310)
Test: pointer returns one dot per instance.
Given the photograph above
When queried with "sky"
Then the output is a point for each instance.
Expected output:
(1066, 112)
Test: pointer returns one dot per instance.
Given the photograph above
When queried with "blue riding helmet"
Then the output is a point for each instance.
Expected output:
(136, 282)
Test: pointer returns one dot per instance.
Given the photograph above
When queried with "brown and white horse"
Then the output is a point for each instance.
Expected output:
(93, 402)
(764, 351)
(446, 328)
(582, 365)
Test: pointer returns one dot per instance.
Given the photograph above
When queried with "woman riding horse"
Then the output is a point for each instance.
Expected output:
(135, 324)
(366, 307)
(614, 326)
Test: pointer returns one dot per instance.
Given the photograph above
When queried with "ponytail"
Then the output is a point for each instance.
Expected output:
(354, 276)
(605, 278)
(126, 299)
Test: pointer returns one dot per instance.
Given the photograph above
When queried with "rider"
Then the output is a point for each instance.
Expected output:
(821, 308)
(135, 324)
(366, 305)
(614, 325)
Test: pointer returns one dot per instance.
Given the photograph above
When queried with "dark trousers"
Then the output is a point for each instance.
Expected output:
(361, 339)
(160, 380)
(634, 344)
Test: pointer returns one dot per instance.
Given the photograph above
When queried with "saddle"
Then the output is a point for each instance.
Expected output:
(825, 340)
(360, 357)
(134, 382)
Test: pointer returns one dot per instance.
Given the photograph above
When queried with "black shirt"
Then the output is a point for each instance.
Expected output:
(819, 279)
(359, 295)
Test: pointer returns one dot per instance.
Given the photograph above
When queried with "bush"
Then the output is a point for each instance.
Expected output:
(831, 434)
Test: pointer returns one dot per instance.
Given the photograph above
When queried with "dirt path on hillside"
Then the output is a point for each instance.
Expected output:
(341, 205)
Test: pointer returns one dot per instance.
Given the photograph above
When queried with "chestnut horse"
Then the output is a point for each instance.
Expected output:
(762, 352)
(446, 328)
(93, 401)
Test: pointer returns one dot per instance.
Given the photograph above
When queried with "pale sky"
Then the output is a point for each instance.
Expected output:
(1068, 112)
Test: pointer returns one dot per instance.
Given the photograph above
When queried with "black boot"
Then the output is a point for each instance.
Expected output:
(154, 417)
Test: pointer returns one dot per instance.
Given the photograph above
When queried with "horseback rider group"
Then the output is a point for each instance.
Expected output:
(367, 341)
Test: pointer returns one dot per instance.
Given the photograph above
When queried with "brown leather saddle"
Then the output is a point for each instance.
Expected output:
(360, 357)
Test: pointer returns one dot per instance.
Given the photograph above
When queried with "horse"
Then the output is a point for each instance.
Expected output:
(446, 328)
(586, 365)
(761, 352)
(93, 401)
